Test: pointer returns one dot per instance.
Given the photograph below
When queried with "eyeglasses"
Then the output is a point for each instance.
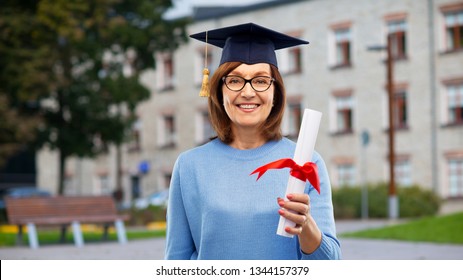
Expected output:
(237, 83)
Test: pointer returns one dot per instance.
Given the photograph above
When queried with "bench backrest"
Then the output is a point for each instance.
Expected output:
(19, 209)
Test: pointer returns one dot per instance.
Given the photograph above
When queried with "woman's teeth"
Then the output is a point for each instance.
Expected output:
(248, 106)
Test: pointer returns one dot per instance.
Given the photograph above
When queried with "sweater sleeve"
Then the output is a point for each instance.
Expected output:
(179, 241)
(321, 209)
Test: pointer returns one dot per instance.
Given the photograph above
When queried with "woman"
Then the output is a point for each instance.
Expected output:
(216, 209)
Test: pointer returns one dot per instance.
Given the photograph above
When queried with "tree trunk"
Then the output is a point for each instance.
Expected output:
(61, 176)
(118, 193)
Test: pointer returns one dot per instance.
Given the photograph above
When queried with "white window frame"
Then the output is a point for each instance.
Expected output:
(394, 27)
(164, 80)
(403, 172)
(345, 174)
(163, 139)
(455, 181)
(449, 97)
(334, 109)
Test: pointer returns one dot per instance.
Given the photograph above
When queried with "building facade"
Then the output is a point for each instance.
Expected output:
(337, 74)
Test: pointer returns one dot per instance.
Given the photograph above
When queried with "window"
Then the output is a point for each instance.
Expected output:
(345, 174)
(397, 34)
(454, 28)
(294, 118)
(402, 171)
(103, 184)
(167, 131)
(135, 187)
(290, 60)
(342, 39)
(165, 71)
(204, 130)
(344, 114)
(135, 135)
(295, 60)
(166, 176)
(169, 128)
(455, 102)
(455, 167)
(400, 109)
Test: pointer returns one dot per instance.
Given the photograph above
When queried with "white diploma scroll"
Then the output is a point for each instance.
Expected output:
(303, 153)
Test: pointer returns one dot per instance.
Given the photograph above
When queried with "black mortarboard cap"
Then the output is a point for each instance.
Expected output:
(248, 43)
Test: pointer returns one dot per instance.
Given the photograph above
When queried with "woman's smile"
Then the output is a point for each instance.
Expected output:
(248, 107)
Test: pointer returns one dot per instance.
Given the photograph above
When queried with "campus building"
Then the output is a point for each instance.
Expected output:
(338, 73)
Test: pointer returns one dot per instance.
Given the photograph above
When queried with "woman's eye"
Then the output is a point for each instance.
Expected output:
(234, 81)
(260, 81)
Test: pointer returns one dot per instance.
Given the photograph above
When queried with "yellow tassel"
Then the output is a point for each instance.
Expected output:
(205, 85)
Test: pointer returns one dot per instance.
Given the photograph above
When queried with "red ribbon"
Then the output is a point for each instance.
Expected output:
(307, 172)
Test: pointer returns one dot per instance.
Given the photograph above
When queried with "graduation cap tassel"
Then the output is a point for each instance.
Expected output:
(205, 84)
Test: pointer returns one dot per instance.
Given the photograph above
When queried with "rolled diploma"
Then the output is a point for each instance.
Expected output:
(304, 150)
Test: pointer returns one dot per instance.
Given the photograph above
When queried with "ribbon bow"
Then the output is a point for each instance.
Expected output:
(307, 172)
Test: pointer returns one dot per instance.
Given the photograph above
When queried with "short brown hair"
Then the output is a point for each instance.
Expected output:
(271, 128)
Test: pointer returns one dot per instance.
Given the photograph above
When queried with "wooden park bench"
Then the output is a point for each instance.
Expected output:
(64, 211)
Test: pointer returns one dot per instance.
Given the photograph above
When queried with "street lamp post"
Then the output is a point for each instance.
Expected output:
(393, 203)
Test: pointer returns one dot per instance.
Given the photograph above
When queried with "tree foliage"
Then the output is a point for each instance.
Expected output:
(69, 69)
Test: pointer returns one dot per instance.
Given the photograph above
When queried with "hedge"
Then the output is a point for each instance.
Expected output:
(414, 201)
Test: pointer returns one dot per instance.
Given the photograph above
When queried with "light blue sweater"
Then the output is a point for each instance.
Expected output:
(217, 210)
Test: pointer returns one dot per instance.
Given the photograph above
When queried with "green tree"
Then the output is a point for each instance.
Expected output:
(14, 130)
(55, 69)
(17, 126)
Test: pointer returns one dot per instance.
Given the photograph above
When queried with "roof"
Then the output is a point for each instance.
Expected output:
(210, 12)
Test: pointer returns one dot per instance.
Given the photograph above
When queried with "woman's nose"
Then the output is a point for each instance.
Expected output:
(248, 91)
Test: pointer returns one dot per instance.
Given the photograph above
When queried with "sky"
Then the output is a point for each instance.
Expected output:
(185, 7)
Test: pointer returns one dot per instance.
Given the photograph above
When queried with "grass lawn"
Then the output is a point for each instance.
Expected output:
(52, 236)
(439, 229)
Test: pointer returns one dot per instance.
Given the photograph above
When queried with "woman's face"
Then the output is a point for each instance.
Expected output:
(248, 108)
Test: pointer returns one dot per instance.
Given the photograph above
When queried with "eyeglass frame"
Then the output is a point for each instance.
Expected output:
(248, 81)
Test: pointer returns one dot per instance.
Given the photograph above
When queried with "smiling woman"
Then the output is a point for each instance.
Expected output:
(216, 210)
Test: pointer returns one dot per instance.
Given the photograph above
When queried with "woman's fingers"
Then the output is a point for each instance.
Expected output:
(295, 209)
(297, 218)
(298, 203)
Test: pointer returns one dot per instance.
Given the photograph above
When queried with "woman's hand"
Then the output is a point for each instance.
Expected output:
(297, 210)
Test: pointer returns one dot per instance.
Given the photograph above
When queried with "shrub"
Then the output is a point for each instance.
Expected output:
(3, 218)
(414, 201)
(345, 201)
(139, 217)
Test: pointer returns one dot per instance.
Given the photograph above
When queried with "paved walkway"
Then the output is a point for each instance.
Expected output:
(153, 249)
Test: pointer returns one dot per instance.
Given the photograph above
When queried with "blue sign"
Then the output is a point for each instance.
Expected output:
(144, 167)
